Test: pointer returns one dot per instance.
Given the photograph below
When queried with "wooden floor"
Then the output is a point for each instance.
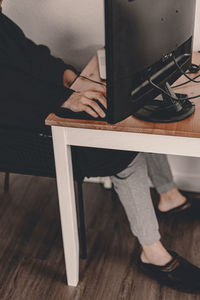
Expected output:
(31, 254)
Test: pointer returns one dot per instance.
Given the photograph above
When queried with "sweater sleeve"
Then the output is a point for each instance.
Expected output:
(39, 61)
(27, 101)
(44, 65)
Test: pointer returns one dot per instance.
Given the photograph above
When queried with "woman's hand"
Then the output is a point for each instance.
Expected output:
(84, 101)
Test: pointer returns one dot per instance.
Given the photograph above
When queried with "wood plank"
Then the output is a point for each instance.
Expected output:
(31, 257)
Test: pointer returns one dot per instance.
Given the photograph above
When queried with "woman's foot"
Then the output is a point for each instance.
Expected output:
(171, 200)
(155, 254)
(178, 274)
(170, 269)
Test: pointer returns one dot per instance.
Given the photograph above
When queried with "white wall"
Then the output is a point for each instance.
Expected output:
(186, 170)
(197, 28)
(73, 29)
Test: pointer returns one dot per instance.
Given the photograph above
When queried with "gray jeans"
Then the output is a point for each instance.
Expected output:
(132, 187)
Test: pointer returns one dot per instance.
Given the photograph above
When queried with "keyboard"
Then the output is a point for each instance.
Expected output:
(66, 113)
(101, 55)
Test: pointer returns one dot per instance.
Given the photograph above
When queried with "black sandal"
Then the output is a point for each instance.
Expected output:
(181, 208)
(178, 274)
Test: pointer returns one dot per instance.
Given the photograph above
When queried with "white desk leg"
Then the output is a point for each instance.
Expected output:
(66, 195)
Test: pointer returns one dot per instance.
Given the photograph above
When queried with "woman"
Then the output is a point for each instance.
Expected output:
(34, 83)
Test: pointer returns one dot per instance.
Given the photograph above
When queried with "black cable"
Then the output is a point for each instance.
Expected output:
(94, 81)
(185, 82)
(164, 92)
(153, 84)
(193, 69)
(183, 73)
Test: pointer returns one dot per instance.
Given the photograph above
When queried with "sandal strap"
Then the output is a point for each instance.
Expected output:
(171, 266)
(183, 206)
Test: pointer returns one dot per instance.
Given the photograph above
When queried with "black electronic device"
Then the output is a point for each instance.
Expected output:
(143, 38)
(67, 113)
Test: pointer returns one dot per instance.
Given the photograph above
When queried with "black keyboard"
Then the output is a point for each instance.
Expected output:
(66, 113)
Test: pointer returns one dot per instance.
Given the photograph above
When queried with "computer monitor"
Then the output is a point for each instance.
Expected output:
(143, 38)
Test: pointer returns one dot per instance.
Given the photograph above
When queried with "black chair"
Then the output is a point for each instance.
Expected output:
(31, 153)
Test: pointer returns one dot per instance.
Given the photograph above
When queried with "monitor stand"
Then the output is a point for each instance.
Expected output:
(164, 109)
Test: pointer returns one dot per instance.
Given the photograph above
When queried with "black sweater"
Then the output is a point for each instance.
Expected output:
(31, 79)
(31, 87)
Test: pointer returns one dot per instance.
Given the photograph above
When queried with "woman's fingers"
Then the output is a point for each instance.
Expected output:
(98, 96)
(94, 105)
(90, 111)
(90, 101)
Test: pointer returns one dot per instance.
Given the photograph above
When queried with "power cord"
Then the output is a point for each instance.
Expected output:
(183, 73)
(155, 85)
(164, 92)
(193, 69)
(184, 83)
(94, 81)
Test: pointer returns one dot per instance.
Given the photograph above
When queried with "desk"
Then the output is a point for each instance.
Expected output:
(179, 138)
